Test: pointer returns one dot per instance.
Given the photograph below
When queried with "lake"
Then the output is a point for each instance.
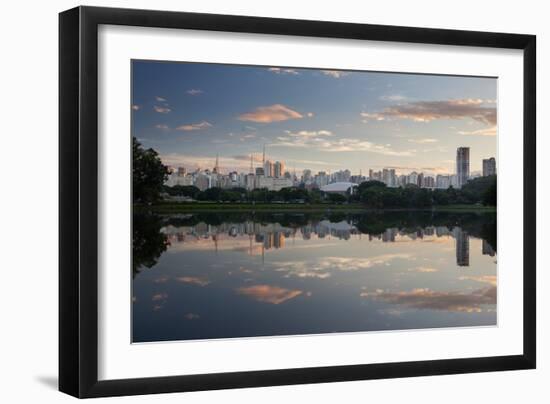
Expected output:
(246, 274)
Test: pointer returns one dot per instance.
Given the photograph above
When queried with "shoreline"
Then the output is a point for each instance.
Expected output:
(186, 207)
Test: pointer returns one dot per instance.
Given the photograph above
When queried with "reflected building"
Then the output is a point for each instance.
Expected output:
(486, 249)
(462, 240)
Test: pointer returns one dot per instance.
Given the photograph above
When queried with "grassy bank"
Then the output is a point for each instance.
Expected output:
(178, 207)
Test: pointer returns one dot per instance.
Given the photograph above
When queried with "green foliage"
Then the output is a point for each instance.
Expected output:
(337, 198)
(148, 174)
(490, 194)
(190, 191)
(372, 194)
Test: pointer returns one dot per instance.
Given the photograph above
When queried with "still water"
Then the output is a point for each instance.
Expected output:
(225, 275)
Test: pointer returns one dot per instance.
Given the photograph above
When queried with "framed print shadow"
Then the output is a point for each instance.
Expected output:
(250, 201)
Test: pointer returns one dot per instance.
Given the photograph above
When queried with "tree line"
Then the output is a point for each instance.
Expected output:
(372, 194)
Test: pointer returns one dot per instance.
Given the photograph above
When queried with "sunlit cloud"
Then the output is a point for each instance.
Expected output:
(162, 126)
(161, 110)
(193, 280)
(423, 269)
(423, 140)
(136, 107)
(269, 294)
(491, 131)
(195, 126)
(310, 114)
(279, 70)
(272, 113)
(160, 99)
(321, 143)
(323, 268)
(427, 111)
(367, 117)
(428, 299)
(335, 73)
(194, 91)
(394, 97)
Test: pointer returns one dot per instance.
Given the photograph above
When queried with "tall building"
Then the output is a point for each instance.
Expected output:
(268, 168)
(216, 169)
(489, 167)
(278, 169)
(388, 177)
(462, 165)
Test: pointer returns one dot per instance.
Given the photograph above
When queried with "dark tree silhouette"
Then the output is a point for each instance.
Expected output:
(148, 174)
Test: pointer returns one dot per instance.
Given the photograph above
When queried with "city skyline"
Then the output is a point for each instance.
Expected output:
(194, 114)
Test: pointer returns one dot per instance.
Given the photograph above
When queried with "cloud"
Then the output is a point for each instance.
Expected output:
(423, 269)
(395, 97)
(195, 126)
(191, 316)
(335, 73)
(372, 117)
(491, 131)
(162, 126)
(310, 114)
(136, 107)
(428, 299)
(321, 143)
(272, 113)
(323, 268)
(490, 279)
(269, 294)
(193, 280)
(257, 158)
(160, 99)
(423, 140)
(159, 297)
(427, 111)
(194, 91)
(161, 110)
(309, 134)
(279, 70)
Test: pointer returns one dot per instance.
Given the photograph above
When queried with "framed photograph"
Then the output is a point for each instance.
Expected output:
(251, 201)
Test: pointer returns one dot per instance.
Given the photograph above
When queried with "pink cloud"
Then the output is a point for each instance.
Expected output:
(272, 113)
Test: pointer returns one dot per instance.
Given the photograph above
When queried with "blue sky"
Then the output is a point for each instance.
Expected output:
(324, 120)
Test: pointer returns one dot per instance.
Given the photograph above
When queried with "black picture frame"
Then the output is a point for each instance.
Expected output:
(78, 201)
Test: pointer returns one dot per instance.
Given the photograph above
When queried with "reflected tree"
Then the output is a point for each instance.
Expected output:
(148, 242)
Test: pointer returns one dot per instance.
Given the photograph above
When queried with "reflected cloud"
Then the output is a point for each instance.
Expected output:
(432, 300)
(269, 294)
(193, 280)
(323, 267)
(490, 279)
(423, 269)
(159, 297)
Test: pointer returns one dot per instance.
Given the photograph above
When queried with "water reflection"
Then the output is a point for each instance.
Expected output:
(202, 276)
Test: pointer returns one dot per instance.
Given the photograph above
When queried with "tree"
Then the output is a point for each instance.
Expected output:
(490, 195)
(148, 174)
(337, 198)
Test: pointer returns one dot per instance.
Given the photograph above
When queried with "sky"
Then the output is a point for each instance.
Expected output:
(323, 120)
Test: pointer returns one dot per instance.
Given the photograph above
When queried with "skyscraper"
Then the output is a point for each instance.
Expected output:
(462, 165)
(279, 169)
(489, 167)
